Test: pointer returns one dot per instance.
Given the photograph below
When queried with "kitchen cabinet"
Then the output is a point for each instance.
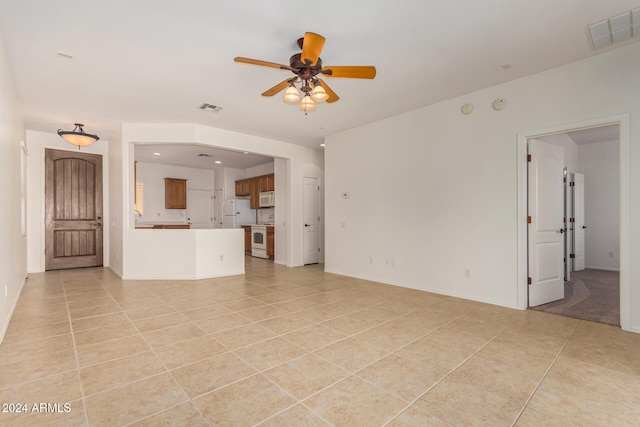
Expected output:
(247, 239)
(271, 242)
(175, 193)
(254, 197)
(253, 186)
(243, 187)
(267, 182)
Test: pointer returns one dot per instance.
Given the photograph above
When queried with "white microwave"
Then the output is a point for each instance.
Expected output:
(267, 199)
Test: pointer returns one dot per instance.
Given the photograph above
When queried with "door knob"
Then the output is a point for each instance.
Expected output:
(307, 225)
(98, 224)
(561, 230)
(584, 226)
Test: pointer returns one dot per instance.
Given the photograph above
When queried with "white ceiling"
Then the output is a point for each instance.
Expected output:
(197, 156)
(597, 134)
(157, 61)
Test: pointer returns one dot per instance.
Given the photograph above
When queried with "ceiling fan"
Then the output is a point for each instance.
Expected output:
(306, 66)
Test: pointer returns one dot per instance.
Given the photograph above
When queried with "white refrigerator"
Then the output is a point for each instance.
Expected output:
(236, 213)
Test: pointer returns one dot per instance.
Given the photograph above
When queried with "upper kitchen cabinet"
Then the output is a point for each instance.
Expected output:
(253, 186)
(267, 182)
(175, 193)
(243, 187)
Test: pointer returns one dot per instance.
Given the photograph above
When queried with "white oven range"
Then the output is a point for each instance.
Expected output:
(259, 241)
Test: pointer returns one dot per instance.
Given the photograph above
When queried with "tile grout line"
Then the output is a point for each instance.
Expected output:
(75, 352)
(167, 371)
(553, 362)
(444, 377)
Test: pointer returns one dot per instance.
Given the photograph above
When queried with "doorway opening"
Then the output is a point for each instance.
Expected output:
(590, 281)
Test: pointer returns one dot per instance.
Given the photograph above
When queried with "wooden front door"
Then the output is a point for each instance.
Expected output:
(73, 211)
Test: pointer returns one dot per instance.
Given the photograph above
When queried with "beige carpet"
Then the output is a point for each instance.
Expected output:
(590, 295)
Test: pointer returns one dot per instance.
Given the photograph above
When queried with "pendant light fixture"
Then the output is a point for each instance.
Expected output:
(77, 136)
(310, 97)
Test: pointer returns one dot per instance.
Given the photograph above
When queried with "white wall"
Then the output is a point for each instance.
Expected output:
(435, 191)
(38, 142)
(183, 254)
(231, 175)
(152, 176)
(264, 169)
(599, 162)
(118, 202)
(13, 249)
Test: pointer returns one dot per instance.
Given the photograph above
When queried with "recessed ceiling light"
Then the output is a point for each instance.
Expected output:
(245, 152)
(322, 145)
(65, 54)
(217, 162)
(156, 154)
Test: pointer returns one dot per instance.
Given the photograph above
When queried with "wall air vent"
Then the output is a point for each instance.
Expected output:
(210, 107)
(616, 29)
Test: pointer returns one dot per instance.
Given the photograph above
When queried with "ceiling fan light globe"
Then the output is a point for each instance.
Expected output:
(319, 94)
(307, 104)
(291, 95)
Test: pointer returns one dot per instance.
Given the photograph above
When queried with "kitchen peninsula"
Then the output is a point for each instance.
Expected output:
(188, 254)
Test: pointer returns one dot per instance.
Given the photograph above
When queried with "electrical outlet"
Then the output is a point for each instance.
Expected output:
(343, 224)
(467, 273)
(370, 260)
(221, 257)
(610, 254)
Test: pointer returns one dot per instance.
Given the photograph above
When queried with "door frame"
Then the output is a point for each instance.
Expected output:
(623, 121)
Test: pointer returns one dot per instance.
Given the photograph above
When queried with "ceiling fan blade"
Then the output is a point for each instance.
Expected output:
(332, 95)
(277, 88)
(356, 71)
(311, 47)
(263, 63)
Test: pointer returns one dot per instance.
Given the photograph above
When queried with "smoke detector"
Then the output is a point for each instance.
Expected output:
(210, 107)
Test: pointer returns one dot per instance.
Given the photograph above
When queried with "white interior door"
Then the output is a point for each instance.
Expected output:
(311, 217)
(578, 224)
(546, 228)
(200, 208)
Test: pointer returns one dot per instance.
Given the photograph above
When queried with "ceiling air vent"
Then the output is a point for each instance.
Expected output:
(210, 107)
(616, 29)
(204, 155)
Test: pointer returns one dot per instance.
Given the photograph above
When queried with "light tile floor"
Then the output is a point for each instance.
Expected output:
(299, 347)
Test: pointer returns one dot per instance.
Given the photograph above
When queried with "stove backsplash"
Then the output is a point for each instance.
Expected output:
(266, 215)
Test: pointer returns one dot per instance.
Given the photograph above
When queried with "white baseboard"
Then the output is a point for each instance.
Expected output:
(5, 326)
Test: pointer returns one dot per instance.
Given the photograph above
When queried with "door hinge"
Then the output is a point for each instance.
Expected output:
(528, 280)
(572, 220)
(572, 255)
(528, 157)
(529, 219)
(572, 184)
